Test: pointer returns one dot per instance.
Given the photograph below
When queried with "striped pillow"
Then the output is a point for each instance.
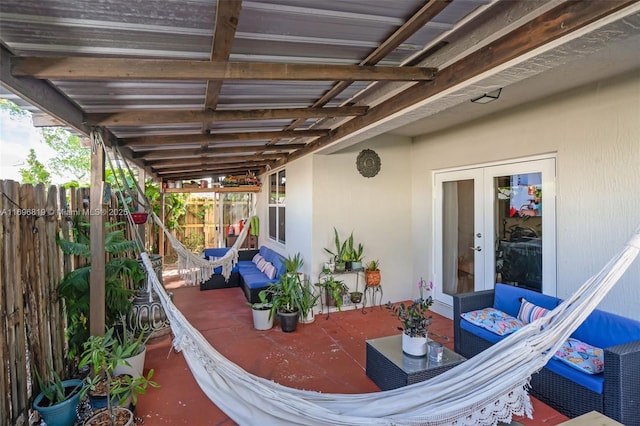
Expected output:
(270, 271)
(529, 312)
(256, 258)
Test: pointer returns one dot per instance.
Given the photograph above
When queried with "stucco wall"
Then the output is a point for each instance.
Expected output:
(595, 132)
(376, 209)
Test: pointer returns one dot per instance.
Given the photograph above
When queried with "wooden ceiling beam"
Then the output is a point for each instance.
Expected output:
(221, 137)
(41, 95)
(163, 154)
(227, 16)
(101, 69)
(141, 118)
(545, 28)
(203, 161)
(208, 172)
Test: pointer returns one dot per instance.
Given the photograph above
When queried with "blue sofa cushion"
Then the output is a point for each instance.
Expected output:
(507, 299)
(217, 252)
(256, 279)
(603, 329)
(594, 382)
(481, 332)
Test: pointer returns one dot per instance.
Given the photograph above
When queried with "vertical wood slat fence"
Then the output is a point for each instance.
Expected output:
(32, 319)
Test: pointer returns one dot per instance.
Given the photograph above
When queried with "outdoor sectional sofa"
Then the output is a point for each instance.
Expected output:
(614, 392)
(246, 273)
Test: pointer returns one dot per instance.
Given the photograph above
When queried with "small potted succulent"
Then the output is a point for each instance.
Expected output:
(415, 323)
(372, 273)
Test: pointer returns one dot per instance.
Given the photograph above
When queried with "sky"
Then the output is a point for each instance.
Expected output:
(17, 136)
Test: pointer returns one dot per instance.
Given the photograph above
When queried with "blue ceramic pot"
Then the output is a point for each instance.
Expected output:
(63, 414)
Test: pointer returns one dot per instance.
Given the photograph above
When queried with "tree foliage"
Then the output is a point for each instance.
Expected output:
(35, 172)
(14, 110)
(72, 159)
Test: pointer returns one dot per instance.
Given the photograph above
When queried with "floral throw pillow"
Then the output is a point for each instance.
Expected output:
(582, 356)
(529, 312)
(493, 320)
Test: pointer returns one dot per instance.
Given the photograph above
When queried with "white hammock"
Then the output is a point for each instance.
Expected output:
(490, 387)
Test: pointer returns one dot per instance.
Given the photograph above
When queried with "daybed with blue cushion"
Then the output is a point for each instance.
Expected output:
(255, 270)
(571, 382)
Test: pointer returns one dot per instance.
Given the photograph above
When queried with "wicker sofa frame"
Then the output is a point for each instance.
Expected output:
(620, 399)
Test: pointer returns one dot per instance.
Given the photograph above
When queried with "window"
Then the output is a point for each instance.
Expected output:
(277, 208)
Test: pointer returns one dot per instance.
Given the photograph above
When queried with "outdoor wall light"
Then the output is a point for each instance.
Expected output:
(487, 97)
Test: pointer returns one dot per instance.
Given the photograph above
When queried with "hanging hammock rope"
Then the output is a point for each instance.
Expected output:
(488, 388)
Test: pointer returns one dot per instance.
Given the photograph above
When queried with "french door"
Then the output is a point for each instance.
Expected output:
(489, 227)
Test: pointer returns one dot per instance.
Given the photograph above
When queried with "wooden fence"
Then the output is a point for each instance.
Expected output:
(32, 319)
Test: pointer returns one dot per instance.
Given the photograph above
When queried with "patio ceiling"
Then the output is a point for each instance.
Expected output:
(198, 88)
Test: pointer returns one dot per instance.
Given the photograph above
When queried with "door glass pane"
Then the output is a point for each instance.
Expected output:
(458, 237)
(518, 207)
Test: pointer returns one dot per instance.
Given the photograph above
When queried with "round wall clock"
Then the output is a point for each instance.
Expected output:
(368, 163)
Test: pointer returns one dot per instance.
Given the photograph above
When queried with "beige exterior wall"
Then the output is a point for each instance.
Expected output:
(594, 133)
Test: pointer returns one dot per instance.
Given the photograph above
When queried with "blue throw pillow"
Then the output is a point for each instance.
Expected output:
(582, 356)
(493, 320)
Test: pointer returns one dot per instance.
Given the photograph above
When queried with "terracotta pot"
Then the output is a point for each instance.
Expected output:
(372, 278)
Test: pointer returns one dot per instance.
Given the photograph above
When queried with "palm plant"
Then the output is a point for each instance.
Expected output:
(74, 287)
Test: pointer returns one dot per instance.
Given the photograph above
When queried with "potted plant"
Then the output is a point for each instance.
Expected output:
(415, 323)
(74, 287)
(356, 255)
(103, 354)
(261, 312)
(286, 296)
(372, 273)
(308, 301)
(307, 298)
(334, 290)
(340, 256)
(134, 364)
(58, 399)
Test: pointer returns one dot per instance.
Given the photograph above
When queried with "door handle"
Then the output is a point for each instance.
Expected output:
(476, 248)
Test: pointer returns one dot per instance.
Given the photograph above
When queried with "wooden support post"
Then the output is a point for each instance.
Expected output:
(97, 214)
(141, 228)
(161, 236)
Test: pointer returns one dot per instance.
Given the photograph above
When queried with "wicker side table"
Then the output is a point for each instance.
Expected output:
(390, 368)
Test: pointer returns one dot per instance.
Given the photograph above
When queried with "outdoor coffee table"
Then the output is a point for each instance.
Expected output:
(390, 368)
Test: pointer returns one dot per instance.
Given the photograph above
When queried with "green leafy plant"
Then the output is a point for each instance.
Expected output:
(286, 295)
(102, 354)
(340, 254)
(372, 265)
(413, 317)
(293, 264)
(53, 389)
(74, 287)
(334, 288)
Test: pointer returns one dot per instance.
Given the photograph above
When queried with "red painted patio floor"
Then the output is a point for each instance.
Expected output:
(327, 355)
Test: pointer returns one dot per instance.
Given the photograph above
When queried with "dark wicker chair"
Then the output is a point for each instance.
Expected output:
(620, 399)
